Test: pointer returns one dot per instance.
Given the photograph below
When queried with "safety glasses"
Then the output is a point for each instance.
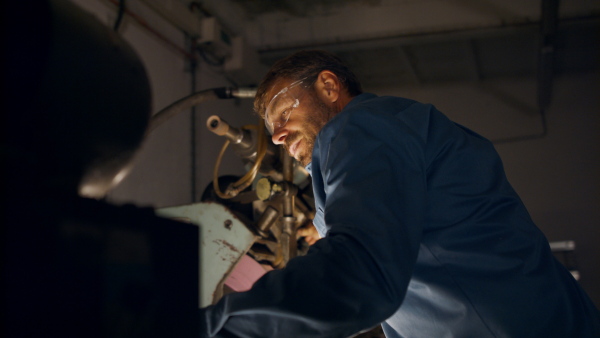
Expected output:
(283, 104)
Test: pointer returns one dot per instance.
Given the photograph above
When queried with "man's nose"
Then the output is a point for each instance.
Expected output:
(279, 136)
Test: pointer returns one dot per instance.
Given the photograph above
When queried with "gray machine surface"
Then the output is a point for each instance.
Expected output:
(223, 239)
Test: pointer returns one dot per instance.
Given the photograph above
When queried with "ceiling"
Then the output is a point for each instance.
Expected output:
(417, 42)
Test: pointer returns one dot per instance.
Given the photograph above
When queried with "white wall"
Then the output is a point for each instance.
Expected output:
(556, 176)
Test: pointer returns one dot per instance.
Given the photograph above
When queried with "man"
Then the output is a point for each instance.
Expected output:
(421, 230)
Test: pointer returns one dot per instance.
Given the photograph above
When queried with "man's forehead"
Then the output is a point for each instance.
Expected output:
(277, 86)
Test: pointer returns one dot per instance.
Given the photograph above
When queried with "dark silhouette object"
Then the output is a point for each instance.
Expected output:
(76, 108)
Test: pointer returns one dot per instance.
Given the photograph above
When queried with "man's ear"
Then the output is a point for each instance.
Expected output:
(328, 86)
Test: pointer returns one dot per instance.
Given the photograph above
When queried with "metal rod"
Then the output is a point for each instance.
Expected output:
(288, 236)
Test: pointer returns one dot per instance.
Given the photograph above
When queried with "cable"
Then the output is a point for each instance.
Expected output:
(120, 14)
(212, 94)
(197, 98)
(249, 177)
(181, 105)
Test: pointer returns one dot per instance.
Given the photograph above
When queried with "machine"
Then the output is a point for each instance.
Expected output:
(247, 224)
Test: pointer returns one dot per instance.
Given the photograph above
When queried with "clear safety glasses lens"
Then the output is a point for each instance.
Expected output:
(281, 106)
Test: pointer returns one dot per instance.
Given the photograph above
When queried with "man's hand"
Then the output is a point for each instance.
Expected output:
(310, 234)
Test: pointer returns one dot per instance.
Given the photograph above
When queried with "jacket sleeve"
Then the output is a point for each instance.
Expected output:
(374, 191)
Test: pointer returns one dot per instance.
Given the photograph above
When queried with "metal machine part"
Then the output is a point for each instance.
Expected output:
(224, 240)
(240, 139)
(225, 236)
(267, 220)
(279, 213)
(288, 236)
(564, 251)
(243, 142)
(264, 189)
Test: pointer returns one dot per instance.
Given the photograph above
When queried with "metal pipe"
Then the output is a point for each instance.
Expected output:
(237, 136)
(244, 92)
(288, 236)
(197, 98)
(340, 45)
(266, 221)
(181, 105)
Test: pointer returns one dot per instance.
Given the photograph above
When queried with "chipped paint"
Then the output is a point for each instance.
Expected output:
(221, 248)
(229, 245)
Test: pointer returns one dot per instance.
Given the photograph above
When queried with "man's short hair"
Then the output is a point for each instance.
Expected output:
(307, 65)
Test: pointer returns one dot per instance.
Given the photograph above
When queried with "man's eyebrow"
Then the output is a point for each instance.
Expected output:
(274, 109)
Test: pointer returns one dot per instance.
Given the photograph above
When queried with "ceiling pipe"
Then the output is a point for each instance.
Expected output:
(153, 31)
(548, 28)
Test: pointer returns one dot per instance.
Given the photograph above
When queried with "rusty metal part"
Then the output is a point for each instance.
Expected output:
(266, 221)
(264, 189)
(224, 239)
(288, 236)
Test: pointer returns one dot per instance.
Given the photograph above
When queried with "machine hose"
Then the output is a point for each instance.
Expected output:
(249, 177)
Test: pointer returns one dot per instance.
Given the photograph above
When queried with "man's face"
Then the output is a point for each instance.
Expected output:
(308, 116)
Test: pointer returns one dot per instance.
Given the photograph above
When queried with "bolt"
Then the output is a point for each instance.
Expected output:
(228, 223)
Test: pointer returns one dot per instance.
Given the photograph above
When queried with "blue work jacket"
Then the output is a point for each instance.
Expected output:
(422, 233)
